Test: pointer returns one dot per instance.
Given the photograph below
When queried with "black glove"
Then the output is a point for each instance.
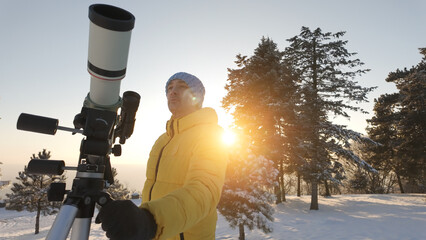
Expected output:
(122, 219)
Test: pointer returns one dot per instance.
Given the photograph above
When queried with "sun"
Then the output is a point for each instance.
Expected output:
(229, 137)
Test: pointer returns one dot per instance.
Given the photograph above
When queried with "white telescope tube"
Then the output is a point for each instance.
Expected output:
(109, 40)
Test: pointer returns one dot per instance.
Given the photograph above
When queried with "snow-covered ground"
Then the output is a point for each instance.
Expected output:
(393, 216)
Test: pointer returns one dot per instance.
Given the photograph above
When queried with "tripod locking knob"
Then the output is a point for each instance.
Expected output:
(116, 150)
(56, 192)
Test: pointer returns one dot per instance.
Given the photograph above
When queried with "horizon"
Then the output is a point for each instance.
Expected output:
(125, 174)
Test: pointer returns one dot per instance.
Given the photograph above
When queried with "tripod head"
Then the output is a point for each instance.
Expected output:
(101, 128)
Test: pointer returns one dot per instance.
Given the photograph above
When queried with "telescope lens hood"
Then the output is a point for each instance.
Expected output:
(111, 17)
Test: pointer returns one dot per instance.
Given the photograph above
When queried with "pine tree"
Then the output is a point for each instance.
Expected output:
(378, 156)
(246, 198)
(290, 127)
(30, 193)
(326, 71)
(412, 132)
(383, 128)
(2, 183)
(406, 111)
(0, 177)
(117, 190)
(258, 96)
(359, 182)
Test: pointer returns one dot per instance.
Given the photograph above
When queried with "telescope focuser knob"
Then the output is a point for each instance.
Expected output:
(79, 121)
(116, 150)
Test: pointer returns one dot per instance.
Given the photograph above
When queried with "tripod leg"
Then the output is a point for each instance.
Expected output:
(63, 222)
(81, 228)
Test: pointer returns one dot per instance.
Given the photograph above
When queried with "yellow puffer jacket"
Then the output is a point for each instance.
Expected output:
(185, 174)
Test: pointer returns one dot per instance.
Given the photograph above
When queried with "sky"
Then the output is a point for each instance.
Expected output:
(44, 45)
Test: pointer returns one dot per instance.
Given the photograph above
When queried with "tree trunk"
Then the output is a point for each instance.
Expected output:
(283, 191)
(277, 187)
(315, 124)
(282, 183)
(327, 189)
(37, 224)
(278, 193)
(400, 183)
(298, 185)
(242, 234)
(314, 195)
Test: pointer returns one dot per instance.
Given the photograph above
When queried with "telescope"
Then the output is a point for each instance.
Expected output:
(99, 121)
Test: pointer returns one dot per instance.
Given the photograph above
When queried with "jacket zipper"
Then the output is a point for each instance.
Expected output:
(158, 161)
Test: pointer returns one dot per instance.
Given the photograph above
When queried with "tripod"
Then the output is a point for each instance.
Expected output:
(100, 127)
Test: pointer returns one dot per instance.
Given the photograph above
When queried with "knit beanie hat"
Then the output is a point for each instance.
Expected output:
(196, 86)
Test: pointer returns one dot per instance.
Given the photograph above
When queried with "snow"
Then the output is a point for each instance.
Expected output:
(391, 216)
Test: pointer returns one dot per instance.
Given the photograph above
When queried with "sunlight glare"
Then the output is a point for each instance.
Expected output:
(229, 137)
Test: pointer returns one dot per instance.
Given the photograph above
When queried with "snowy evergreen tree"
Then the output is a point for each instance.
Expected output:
(2, 183)
(359, 182)
(117, 190)
(399, 125)
(260, 98)
(30, 193)
(247, 195)
(412, 124)
(385, 179)
(383, 128)
(326, 72)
